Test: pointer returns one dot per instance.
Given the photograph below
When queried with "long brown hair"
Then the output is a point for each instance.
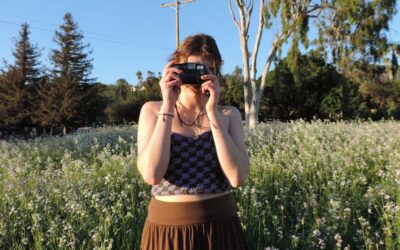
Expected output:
(199, 45)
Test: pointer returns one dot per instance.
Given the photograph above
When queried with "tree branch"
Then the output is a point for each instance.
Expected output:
(250, 6)
(233, 15)
(257, 42)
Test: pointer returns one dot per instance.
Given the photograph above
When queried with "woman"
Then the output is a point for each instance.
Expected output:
(191, 150)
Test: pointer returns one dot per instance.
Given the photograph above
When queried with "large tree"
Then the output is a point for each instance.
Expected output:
(318, 91)
(67, 99)
(122, 88)
(355, 31)
(294, 18)
(17, 82)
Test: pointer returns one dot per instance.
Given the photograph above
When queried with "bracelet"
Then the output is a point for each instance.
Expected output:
(165, 114)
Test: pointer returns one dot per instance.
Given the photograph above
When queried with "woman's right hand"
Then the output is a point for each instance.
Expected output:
(170, 85)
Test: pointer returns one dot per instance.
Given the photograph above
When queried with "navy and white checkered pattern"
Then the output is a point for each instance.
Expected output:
(193, 167)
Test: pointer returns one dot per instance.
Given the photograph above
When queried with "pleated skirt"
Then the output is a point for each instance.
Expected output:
(198, 225)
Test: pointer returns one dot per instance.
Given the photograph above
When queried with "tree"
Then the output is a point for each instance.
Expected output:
(122, 88)
(127, 110)
(18, 81)
(26, 57)
(355, 31)
(68, 97)
(151, 88)
(294, 23)
(318, 91)
(139, 75)
(294, 18)
(150, 74)
(13, 100)
(232, 89)
(380, 96)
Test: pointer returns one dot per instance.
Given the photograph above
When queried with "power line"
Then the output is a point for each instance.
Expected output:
(57, 25)
(107, 38)
(18, 24)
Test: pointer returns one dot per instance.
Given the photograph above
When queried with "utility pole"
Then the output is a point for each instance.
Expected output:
(175, 5)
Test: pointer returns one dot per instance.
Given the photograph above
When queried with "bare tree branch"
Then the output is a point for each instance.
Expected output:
(240, 3)
(248, 10)
(233, 15)
(250, 6)
(260, 29)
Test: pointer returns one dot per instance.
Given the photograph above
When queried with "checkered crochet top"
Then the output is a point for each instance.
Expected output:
(193, 167)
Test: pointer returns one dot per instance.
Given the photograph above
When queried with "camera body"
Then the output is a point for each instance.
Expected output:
(191, 72)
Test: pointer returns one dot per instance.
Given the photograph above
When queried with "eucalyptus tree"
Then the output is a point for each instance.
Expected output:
(349, 20)
(355, 31)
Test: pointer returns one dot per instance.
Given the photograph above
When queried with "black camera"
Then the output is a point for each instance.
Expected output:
(191, 72)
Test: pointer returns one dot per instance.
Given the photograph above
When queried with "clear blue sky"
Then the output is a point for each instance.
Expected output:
(127, 36)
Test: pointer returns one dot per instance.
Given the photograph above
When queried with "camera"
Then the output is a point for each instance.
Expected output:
(191, 72)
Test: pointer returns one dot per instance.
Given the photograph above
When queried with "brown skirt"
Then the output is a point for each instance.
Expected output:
(207, 224)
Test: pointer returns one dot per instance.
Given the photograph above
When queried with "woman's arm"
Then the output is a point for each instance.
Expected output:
(154, 139)
(154, 129)
(230, 146)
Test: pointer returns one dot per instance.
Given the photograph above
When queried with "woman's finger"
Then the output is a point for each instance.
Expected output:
(207, 88)
(209, 77)
(174, 82)
(211, 84)
(171, 75)
(168, 68)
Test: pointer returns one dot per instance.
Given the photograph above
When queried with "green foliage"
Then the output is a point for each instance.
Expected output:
(354, 30)
(13, 100)
(293, 59)
(17, 82)
(394, 64)
(70, 61)
(67, 98)
(26, 57)
(123, 110)
(314, 90)
(380, 96)
(306, 87)
(232, 90)
(150, 88)
(122, 88)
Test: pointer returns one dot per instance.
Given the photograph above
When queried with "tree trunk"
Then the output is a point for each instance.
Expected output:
(246, 76)
(253, 119)
(255, 97)
(253, 92)
(65, 129)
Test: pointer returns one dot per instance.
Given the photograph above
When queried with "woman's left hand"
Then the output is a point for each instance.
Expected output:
(211, 85)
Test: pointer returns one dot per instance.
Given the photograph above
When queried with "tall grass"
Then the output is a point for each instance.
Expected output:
(311, 186)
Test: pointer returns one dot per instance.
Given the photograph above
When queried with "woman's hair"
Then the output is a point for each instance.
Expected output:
(199, 45)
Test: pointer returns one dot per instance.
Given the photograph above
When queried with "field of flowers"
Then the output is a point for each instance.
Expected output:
(312, 186)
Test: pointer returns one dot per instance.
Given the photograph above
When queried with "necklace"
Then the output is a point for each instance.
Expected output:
(196, 136)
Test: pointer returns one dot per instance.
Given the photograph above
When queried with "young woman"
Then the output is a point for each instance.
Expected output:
(192, 151)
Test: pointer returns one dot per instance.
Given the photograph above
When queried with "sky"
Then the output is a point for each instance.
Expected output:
(128, 36)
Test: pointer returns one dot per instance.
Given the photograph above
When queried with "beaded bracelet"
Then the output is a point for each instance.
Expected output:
(165, 114)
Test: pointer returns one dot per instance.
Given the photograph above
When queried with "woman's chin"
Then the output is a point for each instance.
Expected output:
(195, 89)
